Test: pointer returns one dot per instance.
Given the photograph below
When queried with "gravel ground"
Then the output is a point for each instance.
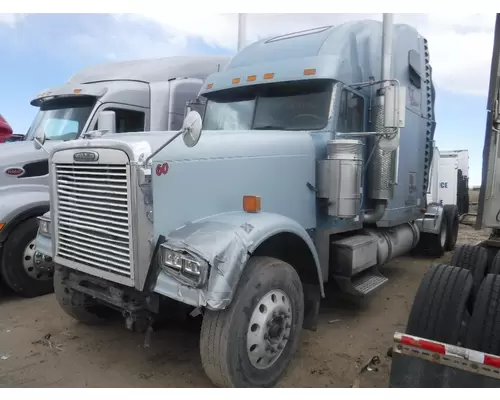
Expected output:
(40, 346)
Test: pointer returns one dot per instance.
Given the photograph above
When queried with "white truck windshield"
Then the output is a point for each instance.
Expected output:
(62, 120)
(301, 105)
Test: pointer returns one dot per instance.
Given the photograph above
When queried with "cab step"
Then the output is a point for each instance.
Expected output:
(362, 284)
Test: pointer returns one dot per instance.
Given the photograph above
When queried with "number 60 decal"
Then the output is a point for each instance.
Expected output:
(162, 169)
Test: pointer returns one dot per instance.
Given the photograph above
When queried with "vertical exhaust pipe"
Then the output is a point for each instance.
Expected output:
(387, 29)
(242, 30)
(382, 160)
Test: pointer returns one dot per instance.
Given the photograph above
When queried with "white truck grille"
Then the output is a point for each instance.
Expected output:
(93, 216)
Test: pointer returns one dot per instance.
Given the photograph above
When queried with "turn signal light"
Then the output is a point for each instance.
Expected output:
(251, 204)
(311, 71)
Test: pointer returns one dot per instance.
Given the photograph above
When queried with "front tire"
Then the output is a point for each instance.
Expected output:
(18, 268)
(251, 342)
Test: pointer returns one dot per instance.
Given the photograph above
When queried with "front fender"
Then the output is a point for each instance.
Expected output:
(17, 206)
(226, 242)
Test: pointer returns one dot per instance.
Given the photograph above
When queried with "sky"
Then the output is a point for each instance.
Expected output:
(38, 51)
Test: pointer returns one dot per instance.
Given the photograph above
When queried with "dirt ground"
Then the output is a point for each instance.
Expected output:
(40, 346)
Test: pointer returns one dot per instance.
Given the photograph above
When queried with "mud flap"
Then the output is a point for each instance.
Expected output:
(312, 298)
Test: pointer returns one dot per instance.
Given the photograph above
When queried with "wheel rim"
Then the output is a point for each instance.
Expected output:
(442, 233)
(269, 329)
(36, 265)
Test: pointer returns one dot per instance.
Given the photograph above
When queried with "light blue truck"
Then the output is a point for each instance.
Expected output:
(124, 96)
(312, 169)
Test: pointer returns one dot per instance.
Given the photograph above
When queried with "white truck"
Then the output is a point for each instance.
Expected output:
(129, 96)
(452, 337)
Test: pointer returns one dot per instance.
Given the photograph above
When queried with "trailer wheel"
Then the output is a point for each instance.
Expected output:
(251, 342)
(20, 268)
(453, 222)
(473, 258)
(483, 333)
(439, 311)
(77, 304)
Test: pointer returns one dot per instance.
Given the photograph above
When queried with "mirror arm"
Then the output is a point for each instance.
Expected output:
(154, 153)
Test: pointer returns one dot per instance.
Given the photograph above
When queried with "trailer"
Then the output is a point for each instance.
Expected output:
(312, 173)
(125, 96)
(462, 179)
(452, 334)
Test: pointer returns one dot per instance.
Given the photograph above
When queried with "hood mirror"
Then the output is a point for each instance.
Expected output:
(191, 129)
(39, 139)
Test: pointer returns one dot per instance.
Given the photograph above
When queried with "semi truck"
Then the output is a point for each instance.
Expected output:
(125, 96)
(452, 334)
(312, 173)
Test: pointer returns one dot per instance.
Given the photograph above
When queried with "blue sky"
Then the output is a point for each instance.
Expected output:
(44, 50)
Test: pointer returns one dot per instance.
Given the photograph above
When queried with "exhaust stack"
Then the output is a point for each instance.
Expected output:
(383, 161)
(242, 30)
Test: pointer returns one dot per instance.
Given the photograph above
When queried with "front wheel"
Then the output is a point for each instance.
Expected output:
(250, 343)
(25, 271)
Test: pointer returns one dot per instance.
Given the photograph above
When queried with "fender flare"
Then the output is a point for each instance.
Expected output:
(226, 241)
(19, 206)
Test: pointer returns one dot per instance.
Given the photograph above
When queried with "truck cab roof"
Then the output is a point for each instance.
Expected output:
(349, 53)
(152, 70)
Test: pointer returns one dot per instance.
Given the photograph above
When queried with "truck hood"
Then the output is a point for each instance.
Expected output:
(16, 154)
(138, 146)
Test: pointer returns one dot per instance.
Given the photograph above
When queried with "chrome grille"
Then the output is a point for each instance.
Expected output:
(93, 217)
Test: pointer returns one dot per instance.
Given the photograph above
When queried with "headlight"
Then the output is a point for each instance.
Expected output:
(184, 266)
(44, 226)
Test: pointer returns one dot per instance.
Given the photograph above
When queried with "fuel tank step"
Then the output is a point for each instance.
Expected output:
(362, 284)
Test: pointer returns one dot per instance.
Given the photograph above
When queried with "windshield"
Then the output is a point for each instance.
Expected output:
(303, 105)
(62, 119)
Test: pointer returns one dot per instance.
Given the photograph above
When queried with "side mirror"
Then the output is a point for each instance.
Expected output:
(39, 139)
(191, 129)
(107, 121)
(395, 107)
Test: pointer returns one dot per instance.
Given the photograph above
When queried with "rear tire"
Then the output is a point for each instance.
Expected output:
(239, 345)
(474, 259)
(495, 265)
(439, 311)
(77, 304)
(483, 333)
(432, 244)
(17, 266)
(453, 226)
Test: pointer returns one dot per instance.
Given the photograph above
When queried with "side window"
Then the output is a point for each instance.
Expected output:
(129, 120)
(351, 112)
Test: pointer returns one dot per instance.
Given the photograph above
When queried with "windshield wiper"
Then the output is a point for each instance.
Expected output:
(269, 128)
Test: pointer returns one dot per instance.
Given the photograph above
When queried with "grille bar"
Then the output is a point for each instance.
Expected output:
(93, 219)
